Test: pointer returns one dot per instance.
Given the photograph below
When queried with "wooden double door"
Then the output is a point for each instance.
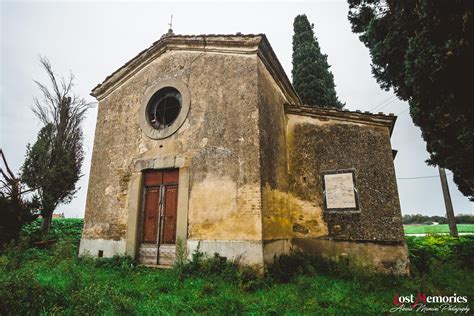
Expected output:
(160, 207)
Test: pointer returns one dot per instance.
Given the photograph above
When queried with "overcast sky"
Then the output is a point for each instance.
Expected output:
(93, 39)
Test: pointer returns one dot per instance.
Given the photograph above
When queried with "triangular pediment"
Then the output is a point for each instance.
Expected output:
(237, 44)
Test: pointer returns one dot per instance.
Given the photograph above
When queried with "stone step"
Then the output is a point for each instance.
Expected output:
(147, 254)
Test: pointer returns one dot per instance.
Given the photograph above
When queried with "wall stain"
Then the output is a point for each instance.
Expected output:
(285, 216)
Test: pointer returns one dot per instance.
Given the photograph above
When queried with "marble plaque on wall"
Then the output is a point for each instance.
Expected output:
(339, 189)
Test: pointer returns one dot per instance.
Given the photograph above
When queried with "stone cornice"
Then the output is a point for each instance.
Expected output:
(231, 44)
(379, 119)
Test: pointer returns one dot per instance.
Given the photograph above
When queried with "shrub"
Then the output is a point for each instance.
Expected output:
(181, 252)
(287, 267)
(15, 210)
(214, 266)
(246, 277)
(249, 279)
(427, 252)
(463, 251)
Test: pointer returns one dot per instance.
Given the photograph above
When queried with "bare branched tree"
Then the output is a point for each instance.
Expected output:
(15, 209)
(53, 163)
(10, 185)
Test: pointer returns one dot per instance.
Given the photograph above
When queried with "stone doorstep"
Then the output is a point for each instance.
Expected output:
(167, 254)
(147, 255)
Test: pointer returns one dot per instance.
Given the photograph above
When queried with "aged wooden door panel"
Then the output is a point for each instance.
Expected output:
(151, 216)
(159, 216)
(169, 214)
(170, 176)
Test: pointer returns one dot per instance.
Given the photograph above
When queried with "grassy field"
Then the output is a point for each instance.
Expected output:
(56, 281)
(437, 229)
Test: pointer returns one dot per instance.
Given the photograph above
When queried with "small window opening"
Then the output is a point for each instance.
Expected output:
(100, 254)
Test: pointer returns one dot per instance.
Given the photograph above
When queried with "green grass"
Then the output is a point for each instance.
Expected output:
(436, 229)
(56, 281)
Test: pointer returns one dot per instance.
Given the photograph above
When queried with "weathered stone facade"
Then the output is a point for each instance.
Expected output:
(249, 155)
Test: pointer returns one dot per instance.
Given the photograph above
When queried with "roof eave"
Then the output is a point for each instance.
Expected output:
(378, 119)
(271, 62)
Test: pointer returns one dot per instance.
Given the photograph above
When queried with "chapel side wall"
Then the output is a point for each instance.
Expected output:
(372, 237)
(285, 215)
(317, 145)
(273, 154)
(217, 145)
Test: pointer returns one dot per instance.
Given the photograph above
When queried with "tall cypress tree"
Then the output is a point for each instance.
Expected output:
(312, 79)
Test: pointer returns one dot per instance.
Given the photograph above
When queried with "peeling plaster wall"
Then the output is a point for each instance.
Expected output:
(218, 142)
(284, 214)
(294, 150)
(294, 218)
(323, 144)
(287, 216)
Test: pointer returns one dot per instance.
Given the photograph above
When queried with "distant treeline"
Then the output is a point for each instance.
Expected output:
(424, 219)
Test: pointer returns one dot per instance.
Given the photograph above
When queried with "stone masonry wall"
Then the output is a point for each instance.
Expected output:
(322, 144)
(218, 141)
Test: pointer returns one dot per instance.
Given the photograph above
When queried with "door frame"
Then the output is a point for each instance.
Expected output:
(162, 192)
(136, 194)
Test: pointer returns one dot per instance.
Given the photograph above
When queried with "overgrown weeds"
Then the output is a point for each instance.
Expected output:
(427, 252)
(54, 280)
(247, 278)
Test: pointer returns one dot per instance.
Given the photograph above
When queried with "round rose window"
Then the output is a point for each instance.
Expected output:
(164, 107)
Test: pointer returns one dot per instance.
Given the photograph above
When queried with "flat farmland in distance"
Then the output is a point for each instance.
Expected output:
(436, 229)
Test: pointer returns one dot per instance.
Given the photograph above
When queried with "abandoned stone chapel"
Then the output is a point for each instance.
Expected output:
(202, 141)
